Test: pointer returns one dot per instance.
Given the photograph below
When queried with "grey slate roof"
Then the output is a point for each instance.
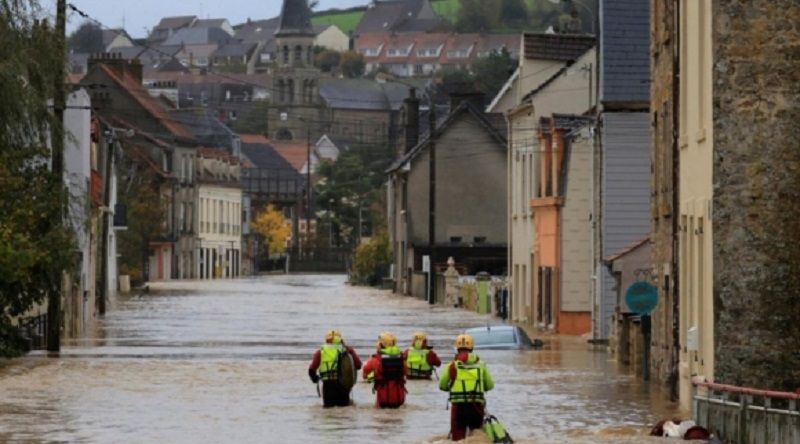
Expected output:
(295, 19)
(562, 47)
(176, 22)
(257, 30)
(399, 16)
(198, 36)
(625, 51)
(365, 94)
(234, 50)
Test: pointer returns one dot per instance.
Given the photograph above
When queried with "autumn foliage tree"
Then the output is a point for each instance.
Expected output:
(271, 225)
(352, 64)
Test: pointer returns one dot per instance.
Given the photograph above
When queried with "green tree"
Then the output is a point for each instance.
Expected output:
(492, 72)
(478, 15)
(35, 250)
(350, 191)
(327, 60)
(372, 259)
(352, 64)
(514, 14)
(254, 121)
(88, 38)
(146, 215)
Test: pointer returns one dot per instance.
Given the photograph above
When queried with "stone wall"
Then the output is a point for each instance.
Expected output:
(663, 66)
(756, 81)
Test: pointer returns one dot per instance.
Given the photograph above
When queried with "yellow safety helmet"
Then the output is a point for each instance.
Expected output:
(465, 342)
(333, 337)
(386, 340)
(419, 337)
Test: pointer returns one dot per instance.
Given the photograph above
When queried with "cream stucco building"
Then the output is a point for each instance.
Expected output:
(219, 199)
(555, 75)
(696, 358)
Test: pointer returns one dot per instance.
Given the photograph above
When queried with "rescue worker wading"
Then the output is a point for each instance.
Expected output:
(337, 365)
(420, 358)
(467, 379)
(387, 371)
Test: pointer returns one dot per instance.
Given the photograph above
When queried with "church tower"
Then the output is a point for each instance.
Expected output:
(295, 79)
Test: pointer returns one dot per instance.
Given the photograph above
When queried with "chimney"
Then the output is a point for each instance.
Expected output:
(135, 70)
(111, 60)
(411, 104)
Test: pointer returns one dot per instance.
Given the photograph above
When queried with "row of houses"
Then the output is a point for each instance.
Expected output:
(661, 151)
(421, 54)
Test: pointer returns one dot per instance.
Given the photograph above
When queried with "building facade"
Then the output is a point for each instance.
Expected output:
(664, 220)
(468, 209)
(218, 252)
(556, 75)
(622, 162)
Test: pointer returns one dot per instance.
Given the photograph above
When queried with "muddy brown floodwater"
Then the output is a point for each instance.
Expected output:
(226, 361)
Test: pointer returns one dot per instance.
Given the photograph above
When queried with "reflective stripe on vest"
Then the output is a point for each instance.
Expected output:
(329, 361)
(468, 385)
(417, 362)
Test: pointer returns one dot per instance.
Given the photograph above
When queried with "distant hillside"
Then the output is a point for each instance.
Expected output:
(543, 13)
(345, 19)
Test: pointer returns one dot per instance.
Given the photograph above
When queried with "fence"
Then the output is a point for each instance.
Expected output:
(747, 416)
(324, 260)
(35, 331)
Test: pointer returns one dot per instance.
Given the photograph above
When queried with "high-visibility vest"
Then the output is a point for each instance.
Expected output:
(468, 385)
(417, 362)
(329, 361)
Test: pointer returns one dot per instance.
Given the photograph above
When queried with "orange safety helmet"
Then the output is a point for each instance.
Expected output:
(465, 342)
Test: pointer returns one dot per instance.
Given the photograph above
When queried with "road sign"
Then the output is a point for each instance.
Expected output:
(642, 298)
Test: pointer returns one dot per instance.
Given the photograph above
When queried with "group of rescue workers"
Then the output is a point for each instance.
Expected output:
(466, 378)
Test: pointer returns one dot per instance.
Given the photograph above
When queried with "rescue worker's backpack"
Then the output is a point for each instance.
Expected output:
(392, 367)
(495, 430)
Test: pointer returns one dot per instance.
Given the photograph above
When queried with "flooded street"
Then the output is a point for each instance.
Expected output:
(226, 361)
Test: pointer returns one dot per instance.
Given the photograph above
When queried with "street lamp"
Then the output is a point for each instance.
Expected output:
(592, 13)
(284, 118)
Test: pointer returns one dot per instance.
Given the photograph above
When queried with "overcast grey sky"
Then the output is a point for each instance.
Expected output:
(144, 14)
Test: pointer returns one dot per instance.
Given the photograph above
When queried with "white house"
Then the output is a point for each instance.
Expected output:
(219, 219)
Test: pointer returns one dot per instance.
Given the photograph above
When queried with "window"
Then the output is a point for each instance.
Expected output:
(398, 52)
(429, 52)
(298, 54)
(285, 54)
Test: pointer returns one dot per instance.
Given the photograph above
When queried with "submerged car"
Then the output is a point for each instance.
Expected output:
(502, 337)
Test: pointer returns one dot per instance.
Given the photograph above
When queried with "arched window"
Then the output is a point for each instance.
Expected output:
(310, 55)
(298, 54)
(284, 134)
(285, 54)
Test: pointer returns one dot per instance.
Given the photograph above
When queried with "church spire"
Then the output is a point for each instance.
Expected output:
(295, 19)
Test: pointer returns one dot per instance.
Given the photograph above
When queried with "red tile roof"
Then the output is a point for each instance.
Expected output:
(253, 138)
(135, 90)
(294, 152)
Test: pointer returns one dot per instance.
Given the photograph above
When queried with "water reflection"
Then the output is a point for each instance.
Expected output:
(226, 362)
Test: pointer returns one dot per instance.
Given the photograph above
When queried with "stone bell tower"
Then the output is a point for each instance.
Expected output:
(296, 79)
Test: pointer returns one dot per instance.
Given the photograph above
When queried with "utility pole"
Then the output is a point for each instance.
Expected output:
(432, 194)
(308, 185)
(60, 103)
